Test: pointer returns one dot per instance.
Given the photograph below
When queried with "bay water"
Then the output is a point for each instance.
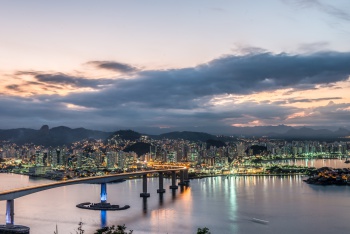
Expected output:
(234, 204)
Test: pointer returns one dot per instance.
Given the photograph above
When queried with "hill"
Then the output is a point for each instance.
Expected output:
(125, 135)
(140, 148)
(190, 136)
(215, 143)
(50, 137)
(62, 135)
(314, 134)
(257, 149)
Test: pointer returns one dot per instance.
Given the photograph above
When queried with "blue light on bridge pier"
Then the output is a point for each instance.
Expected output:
(8, 215)
(103, 192)
(9, 212)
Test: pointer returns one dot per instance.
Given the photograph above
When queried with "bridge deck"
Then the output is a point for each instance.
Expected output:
(19, 192)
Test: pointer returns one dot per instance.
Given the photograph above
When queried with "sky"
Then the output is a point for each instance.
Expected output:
(156, 64)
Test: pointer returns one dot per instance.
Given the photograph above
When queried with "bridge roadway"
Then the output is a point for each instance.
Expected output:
(10, 195)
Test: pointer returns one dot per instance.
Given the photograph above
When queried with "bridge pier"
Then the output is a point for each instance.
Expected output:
(144, 205)
(10, 227)
(173, 180)
(161, 189)
(144, 185)
(186, 180)
(103, 193)
(103, 205)
(182, 178)
(10, 212)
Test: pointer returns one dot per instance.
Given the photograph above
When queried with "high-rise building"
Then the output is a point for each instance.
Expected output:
(79, 156)
(111, 159)
(121, 159)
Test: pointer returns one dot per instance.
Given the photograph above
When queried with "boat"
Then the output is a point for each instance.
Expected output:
(259, 221)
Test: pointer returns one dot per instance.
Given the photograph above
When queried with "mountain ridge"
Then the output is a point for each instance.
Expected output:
(63, 135)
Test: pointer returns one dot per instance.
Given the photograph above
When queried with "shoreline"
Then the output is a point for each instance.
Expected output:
(190, 178)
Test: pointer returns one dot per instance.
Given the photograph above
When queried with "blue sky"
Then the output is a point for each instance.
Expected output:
(174, 64)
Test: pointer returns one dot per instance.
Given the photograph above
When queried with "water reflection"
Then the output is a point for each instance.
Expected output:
(182, 188)
(161, 199)
(173, 194)
(144, 205)
(226, 206)
(318, 163)
(103, 218)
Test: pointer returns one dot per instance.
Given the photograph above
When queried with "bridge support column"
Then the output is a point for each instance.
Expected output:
(10, 227)
(182, 176)
(103, 193)
(144, 183)
(161, 189)
(10, 212)
(186, 180)
(173, 180)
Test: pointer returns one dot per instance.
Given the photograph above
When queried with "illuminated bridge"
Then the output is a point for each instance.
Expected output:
(11, 195)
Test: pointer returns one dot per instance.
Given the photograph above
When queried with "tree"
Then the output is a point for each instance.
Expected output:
(120, 229)
(204, 230)
(80, 228)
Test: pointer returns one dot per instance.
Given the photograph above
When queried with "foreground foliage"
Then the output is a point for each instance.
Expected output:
(121, 229)
(204, 230)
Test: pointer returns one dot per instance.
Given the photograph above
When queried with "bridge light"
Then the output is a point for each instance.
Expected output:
(103, 192)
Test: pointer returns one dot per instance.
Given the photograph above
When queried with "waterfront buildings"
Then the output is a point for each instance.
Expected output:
(94, 155)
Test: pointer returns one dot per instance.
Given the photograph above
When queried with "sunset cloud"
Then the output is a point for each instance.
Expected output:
(187, 88)
(114, 66)
(224, 91)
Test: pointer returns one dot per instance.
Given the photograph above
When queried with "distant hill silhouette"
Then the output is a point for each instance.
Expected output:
(140, 148)
(215, 143)
(309, 133)
(257, 149)
(50, 137)
(259, 130)
(126, 135)
(190, 136)
(62, 135)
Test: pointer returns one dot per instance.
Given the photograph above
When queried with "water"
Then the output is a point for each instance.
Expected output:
(317, 163)
(224, 205)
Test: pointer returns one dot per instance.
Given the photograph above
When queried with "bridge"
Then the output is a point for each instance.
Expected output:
(11, 195)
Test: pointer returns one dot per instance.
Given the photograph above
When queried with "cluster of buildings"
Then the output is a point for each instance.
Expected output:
(306, 148)
(98, 155)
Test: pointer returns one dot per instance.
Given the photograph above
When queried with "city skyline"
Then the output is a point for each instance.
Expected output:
(198, 64)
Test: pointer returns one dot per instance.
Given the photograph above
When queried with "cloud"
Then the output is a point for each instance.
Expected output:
(313, 47)
(14, 87)
(326, 8)
(184, 97)
(114, 66)
(334, 11)
(187, 88)
(67, 80)
(306, 100)
(328, 115)
(49, 109)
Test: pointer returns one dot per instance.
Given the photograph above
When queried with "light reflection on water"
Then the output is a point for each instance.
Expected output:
(223, 204)
(103, 218)
(318, 163)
